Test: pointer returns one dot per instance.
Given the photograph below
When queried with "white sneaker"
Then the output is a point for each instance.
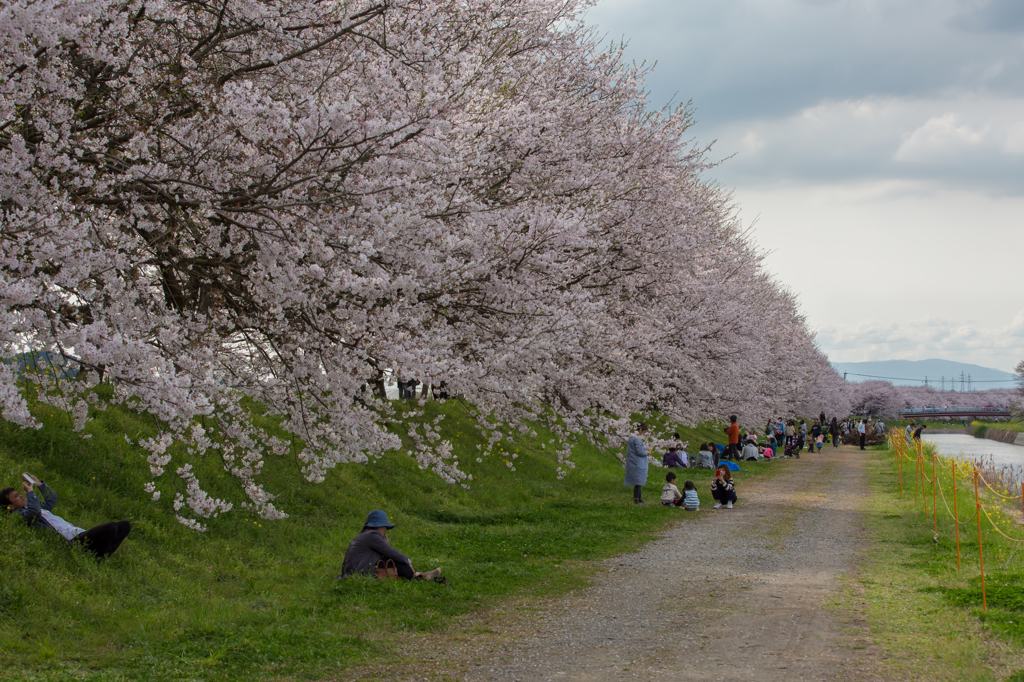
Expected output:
(718, 505)
(729, 506)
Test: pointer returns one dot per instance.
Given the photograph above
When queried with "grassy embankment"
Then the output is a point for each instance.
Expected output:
(979, 428)
(925, 614)
(251, 599)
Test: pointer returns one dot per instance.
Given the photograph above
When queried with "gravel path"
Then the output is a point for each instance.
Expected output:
(737, 594)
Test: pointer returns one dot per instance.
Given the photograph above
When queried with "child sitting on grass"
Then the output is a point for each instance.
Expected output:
(690, 500)
(670, 495)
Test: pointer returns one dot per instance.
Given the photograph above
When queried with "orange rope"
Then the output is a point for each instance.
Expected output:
(997, 527)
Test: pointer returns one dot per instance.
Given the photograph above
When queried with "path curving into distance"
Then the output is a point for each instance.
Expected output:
(740, 594)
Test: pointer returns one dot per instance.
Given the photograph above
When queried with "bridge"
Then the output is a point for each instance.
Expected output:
(956, 413)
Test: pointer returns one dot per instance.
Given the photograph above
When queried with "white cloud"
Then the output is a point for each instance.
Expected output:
(995, 343)
(940, 137)
(962, 139)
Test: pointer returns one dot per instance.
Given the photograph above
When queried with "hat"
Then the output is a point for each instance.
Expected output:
(377, 519)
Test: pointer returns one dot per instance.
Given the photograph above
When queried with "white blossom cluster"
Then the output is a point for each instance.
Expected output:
(281, 202)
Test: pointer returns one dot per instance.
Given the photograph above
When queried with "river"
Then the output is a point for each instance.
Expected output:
(962, 446)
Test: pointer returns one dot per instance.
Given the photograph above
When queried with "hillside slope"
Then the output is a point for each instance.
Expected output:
(252, 599)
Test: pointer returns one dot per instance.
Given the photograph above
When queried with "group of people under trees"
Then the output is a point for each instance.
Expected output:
(722, 486)
(783, 438)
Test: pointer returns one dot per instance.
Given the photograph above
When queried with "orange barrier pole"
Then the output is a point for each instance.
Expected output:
(899, 456)
(981, 555)
(956, 517)
(916, 478)
(1022, 495)
(935, 509)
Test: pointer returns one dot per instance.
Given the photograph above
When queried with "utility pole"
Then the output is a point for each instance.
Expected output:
(926, 381)
(943, 383)
(969, 382)
(844, 376)
(961, 382)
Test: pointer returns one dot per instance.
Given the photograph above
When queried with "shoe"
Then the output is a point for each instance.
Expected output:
(718, 505)
(431, 575)
(442, 580)
(729, 506)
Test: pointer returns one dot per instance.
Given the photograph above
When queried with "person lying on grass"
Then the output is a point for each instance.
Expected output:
(102, 540)
(722, 488)
(370, 551)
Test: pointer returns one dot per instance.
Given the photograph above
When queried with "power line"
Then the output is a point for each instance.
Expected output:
(973, 381)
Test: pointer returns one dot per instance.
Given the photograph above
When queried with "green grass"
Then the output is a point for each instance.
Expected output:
(925, 614)
(252, 599)
(1013, 425)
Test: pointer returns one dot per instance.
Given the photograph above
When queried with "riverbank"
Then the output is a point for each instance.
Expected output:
(257, 600)
(924, 613)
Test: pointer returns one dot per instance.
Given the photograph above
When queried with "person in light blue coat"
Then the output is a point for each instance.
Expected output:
(636, 463)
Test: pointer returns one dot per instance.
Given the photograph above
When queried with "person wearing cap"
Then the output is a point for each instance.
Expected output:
(371, 550)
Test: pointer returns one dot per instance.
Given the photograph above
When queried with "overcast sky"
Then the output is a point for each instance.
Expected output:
(878, 148)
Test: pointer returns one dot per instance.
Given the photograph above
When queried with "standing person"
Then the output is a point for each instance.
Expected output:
(822, 420)
(862, 429)
(733, 431)
(833, 431)
(790, 431)
(636, 463)
(917, 432)
(722, 488)
(815, 432)
(908, 433)
(102, 540)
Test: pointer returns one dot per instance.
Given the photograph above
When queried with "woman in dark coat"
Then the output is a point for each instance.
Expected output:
(833, 430)
(370, 551)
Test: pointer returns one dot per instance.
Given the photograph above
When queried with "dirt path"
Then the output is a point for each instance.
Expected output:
(740, 594)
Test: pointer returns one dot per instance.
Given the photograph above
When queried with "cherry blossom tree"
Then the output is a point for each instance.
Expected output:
(206, 203)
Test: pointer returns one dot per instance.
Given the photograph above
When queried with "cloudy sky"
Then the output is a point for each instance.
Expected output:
(876, 146)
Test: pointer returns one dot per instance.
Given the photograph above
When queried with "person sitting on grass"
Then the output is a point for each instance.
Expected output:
(705, 460)
(370, 550)
(723, 489)
(690, 500)
(102, 540)
(750, 452)
(673, 459)
(670, 495)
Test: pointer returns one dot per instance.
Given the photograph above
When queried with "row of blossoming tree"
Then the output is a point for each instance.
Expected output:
(206, 202)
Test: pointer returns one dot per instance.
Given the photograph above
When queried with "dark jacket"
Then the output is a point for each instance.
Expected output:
(366, 550)
(31, 513)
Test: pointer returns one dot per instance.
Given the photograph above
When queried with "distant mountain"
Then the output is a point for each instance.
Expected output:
(914, 373)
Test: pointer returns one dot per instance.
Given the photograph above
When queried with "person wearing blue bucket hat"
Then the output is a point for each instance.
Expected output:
(370, 550)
